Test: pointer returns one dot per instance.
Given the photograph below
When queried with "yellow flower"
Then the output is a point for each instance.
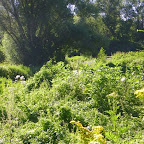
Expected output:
(97, 129)
(139, 93)
(90, 137)
(76, 123)
(99, 138)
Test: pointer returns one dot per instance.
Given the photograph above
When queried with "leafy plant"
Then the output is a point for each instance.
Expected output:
(114, 106)
(90, 137)
(39, 110)
(140, 94)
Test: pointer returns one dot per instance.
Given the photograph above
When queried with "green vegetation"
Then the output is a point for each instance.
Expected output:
(71, 71)
(33, 32)
(11, 71)
(106, 92)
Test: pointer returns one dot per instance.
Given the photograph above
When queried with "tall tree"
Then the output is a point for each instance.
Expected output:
(111, 14)
(89, 31)
(133, 13)
(123, 18)
(46, 28)
(39, 28)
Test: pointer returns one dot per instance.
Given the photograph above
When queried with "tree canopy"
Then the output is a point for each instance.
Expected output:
(33, 31)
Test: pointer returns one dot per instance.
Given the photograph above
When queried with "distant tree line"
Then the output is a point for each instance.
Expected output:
(33, 31)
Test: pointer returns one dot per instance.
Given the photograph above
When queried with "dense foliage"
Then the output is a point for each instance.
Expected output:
(34, 31)
(100, 93)
(57, 84)
(11, 71)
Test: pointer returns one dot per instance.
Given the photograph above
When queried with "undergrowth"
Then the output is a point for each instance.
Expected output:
(103, 92)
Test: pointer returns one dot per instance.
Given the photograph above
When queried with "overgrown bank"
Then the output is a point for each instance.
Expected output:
(96, 92)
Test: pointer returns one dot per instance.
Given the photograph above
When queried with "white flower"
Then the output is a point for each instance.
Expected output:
(17, 77)
(22, 78)
(123, 79)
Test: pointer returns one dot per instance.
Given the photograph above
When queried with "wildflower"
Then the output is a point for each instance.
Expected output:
(139, 93)
(22, 78)
(100, 138)
(17, 78)
(97, 129)
(78, 124)
(123, 79)
(85, 131)
(90, 137)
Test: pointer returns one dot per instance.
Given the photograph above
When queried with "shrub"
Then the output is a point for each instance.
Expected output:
(47, 73)
(45, 131)
(11, 71)
(101, 55)
(65, 114)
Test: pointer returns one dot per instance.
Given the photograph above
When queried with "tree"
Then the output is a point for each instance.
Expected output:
(111, 14)
(39, 28)
(89, 31)
(123, 18)
(45, 29)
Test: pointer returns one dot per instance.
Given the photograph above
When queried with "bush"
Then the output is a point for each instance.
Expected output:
(44, 131)
(47, 73)
(11, 71)
(65, 114)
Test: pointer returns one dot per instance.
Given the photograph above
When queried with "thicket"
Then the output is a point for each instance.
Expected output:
(104, 92)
